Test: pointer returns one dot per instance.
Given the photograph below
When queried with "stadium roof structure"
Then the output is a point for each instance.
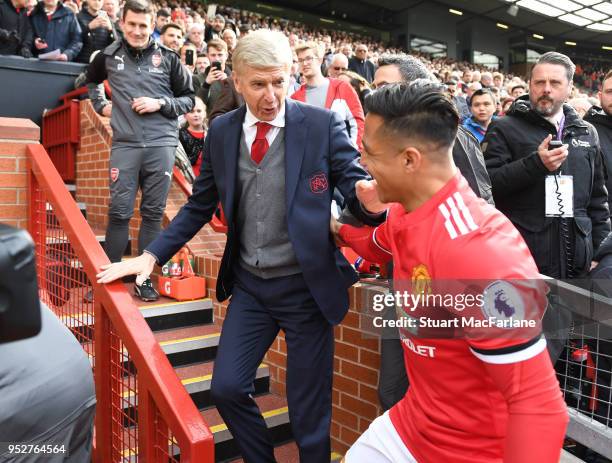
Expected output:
(585, 21)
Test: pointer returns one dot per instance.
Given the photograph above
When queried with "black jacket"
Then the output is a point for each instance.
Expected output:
(603, 123)
(365, 68)
(518, 178)
(15, 31)
(62, 32)
(470, 162)
(93, 39)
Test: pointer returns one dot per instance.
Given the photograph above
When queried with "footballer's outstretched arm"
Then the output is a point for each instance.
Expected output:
(369, 242)
(537, 413)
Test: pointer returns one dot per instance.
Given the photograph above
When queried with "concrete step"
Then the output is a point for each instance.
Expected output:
(274, 410)
(197, 379)
(164, 314)
(167, 313)
(71, 187)
(189, 345)
(52, 219)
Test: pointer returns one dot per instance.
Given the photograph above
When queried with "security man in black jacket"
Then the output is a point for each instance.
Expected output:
(521, 164)
(150, 89)
(601, 118)
(554, 195)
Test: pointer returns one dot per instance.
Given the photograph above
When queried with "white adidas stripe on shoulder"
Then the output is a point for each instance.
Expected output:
(378, 244)
(458, 219)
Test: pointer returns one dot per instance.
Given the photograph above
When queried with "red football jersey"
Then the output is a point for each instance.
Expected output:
(456, 245)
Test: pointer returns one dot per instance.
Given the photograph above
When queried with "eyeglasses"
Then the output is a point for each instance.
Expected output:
(308, 59)
(361, 51)
(339, 68)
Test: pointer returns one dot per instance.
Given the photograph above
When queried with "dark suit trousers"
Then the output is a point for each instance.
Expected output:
(258, 309)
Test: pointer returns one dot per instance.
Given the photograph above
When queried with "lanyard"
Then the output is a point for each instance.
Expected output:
(560, 131)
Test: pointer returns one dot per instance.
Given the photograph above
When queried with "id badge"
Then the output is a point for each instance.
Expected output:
(560, 196)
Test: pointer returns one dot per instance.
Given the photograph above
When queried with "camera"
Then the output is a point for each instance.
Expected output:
(215, 66)
(20, 313)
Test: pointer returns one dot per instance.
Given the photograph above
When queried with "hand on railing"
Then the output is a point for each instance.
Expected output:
(141, 266)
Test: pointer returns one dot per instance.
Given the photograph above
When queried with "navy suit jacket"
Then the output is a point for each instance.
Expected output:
(318, 157)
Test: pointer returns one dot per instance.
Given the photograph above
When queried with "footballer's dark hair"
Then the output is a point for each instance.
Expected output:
(420, 109)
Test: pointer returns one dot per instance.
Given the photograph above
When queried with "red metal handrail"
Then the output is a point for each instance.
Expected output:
(166, 413)
(218, 224)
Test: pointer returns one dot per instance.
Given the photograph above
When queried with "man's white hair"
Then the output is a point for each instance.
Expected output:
(263, 48)
(196, 27)
(339, 57)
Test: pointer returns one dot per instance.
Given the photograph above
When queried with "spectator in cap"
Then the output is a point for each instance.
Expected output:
(216, 27)
(360, 63)
(486, 79)
(517, 90)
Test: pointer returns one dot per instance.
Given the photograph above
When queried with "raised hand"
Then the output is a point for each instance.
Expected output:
(368, 196)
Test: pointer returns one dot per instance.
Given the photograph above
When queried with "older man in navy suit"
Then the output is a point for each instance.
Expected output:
(273, 163)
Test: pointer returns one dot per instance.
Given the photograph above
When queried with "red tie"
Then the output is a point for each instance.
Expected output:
(260, 145)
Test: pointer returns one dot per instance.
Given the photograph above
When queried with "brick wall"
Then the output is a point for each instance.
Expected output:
(92, 177)
(15, 134)
(356, 364)
(92, 165)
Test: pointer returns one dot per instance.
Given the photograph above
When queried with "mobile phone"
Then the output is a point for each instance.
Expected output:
(215, 66)
(102, 14)
(554, 144)
(189, 57)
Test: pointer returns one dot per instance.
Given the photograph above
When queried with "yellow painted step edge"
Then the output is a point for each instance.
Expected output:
(187, 381)
(168, 304)
(268, 414)
(194, 338)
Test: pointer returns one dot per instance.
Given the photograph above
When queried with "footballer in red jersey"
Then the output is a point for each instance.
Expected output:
(487, 391)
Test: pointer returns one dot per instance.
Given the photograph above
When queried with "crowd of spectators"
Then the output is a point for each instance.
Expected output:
(95, 24)
(73, 31)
